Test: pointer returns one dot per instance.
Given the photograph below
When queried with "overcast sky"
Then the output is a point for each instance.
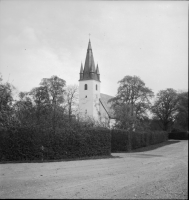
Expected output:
(39, 39)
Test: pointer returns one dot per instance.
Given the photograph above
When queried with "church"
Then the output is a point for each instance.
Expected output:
(92, 103)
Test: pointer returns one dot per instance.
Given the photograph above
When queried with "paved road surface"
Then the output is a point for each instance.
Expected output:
(150, 174)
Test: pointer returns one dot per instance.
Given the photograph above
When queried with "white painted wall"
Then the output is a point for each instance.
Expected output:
(89, 99)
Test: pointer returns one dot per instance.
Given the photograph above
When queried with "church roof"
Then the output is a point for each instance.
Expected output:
(97, 70)
(89, 61)
(90, 72)
(107, 106)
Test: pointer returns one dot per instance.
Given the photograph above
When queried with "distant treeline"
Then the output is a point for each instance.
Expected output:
(44, 123)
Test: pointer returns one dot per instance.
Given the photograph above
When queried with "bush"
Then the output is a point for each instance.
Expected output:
(123, 140)
(20, 143)
(120, 140)
(85, 142)
(178, 135)
(24, 143)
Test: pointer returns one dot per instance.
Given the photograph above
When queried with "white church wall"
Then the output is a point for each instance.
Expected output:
(89, 99)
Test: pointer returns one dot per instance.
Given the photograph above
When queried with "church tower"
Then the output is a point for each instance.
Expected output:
(89, 87)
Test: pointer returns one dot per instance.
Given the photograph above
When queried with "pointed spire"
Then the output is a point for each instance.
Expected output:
(89, 45)
(81, 70)
(89, 62)
(97, 73)
(89, 72)
(97, 69)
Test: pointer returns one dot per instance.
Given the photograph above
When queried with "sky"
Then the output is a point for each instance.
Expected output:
(148, 39)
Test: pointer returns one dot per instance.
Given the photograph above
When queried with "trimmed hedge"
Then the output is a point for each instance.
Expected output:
(178, 135)
(123, 140)
(18, 144)
(24, 143)
(120, 140)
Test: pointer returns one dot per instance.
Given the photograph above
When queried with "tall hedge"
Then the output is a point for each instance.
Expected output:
(20, 143)
(178, 135)
(123, 140)
(120, 140)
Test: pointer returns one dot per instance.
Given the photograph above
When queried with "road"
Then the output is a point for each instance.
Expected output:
(150, 173)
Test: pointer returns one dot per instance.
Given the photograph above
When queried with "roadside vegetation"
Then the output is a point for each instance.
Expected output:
(44, 123)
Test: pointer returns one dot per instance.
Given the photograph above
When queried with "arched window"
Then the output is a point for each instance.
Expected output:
(96, 87)
(85, 86)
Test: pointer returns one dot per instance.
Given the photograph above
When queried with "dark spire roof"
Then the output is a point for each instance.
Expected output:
(89, 45)
(89, 72)
(89, 61)
(97, 70)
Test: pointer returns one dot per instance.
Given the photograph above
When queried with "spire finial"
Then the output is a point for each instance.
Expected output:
(89, 38)
(89, 45)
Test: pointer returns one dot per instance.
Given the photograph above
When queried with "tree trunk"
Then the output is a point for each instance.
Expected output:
(165, 126)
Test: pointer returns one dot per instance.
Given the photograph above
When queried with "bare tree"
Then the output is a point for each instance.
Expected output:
(71, 100)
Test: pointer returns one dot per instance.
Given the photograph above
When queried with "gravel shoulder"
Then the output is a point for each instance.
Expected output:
(159, 171)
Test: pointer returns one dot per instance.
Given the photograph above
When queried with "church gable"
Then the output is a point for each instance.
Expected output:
(105, 106)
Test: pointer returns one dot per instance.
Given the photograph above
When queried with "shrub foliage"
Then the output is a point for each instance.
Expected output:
(123, 140)
(39, 126)
(31, 143)
(24, 143)
(178, 135)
